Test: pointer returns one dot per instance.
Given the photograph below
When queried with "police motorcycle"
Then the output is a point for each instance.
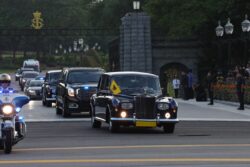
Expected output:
(12, 126)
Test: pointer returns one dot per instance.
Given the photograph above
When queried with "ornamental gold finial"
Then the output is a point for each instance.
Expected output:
(37, 21)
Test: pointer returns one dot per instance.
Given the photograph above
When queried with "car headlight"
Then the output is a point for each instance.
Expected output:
(163, 106)
(168, 115)
(126, 106)
(8, 110)
(71, 92)
(31, 91)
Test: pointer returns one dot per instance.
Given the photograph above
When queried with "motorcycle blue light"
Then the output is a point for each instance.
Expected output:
(20, 118)
(11, 91)
(18, 109)
(1, 91)
(86, 88)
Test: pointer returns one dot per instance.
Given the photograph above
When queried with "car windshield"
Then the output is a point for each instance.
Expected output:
(84, 77)
(30, 75)
(53, 77)
(138, 84)
(35, 83)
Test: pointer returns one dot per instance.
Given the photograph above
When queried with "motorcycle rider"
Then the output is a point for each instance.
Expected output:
(5, 81)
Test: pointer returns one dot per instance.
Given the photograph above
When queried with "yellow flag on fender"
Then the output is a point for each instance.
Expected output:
(115, 88)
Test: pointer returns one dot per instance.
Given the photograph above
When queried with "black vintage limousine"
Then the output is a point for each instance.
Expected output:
(132, 99)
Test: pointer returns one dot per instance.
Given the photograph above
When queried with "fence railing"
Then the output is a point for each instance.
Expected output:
(227, 91)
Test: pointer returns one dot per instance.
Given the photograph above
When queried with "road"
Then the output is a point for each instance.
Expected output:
(207, 136)
(201, 143)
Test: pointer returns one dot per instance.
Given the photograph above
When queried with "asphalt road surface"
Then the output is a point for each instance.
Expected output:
(206, 136)
(194, 143)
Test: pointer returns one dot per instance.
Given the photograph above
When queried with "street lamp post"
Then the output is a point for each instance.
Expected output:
(229, 29)
(81, 41)
(245, 26)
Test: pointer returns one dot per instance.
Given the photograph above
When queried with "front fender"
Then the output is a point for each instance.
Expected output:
(6, 125)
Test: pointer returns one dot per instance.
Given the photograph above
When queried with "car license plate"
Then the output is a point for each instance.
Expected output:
(145, 124)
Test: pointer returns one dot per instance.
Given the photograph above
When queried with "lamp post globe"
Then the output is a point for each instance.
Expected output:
(136, 5)
(245, 25)
(219, 30)
(229, 27)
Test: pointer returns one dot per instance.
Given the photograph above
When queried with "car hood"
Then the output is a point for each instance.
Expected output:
(34, 88)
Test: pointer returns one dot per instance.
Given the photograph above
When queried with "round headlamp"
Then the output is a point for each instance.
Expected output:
(123, 114)
(71, 92)
(126, 106)
(7, 110)
(163, 106)
(167, 115)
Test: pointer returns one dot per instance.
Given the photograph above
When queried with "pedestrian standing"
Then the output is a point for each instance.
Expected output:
(176, 86)
(190, 85)
(210, 82)
(184, 85)
(240, 84)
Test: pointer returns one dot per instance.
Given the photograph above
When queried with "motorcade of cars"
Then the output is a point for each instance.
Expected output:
(27, 75)
(34, 89)
(49, 87)
(19, 72)
(32, 63)
(132, 99)
(75, 88)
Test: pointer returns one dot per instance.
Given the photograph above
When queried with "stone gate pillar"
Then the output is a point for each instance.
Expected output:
(135, 43)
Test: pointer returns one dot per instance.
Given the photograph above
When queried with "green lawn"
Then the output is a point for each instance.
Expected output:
(7, 71)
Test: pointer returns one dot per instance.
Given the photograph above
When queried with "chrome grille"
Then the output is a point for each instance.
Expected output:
(145, 107)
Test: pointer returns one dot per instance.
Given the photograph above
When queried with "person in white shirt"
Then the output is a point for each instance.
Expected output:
(176, 86)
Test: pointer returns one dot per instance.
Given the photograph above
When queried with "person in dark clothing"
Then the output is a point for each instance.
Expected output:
(240, 84)
(210, 82)
(184, 85)
(190, 85)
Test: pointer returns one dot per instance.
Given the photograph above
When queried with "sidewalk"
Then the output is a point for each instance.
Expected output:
(220, 111)
(222, 102)
(235, 104)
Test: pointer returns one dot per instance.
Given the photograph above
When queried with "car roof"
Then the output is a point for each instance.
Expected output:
(84, 68)
(30, 72)
(54, 71)
(130, 73)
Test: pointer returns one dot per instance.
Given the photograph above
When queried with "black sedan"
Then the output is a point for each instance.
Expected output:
(49, 87)
(132, 99)
(34, 89)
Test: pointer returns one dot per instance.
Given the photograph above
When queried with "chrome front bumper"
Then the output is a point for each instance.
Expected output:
(134, 120)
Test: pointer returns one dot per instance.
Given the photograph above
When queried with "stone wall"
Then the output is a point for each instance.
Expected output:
(135, 43)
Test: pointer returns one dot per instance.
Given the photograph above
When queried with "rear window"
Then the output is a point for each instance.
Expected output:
(30, 75)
